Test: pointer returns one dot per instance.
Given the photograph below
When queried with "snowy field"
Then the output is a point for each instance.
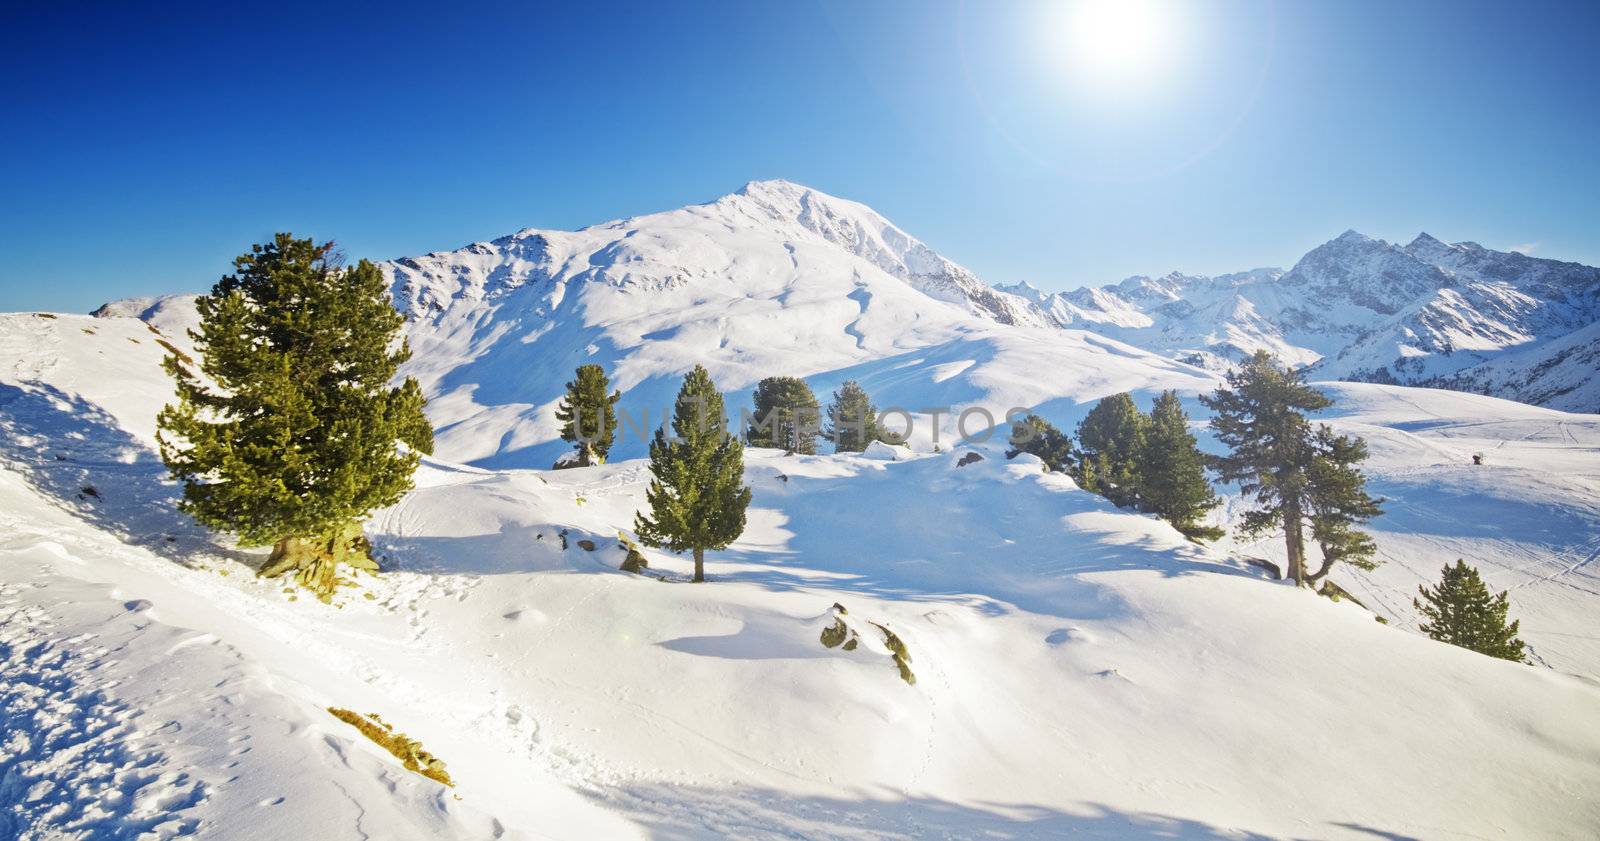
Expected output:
(1079, 671)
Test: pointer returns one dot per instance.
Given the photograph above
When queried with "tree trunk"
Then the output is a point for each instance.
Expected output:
(315, 560)
(1327, 564)
(699, 565)
(1294, 540)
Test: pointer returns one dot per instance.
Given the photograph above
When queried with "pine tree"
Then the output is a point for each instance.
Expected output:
(1293, 472)
(588, 415)
(786, 417)
(697, 497)
(1339, 502)
(852, 419)
(1461, 612)
(297, 441)
(1172, 478)
(1111, 440)
(1036, 436)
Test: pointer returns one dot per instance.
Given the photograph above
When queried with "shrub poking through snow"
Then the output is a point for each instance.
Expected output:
(635, 561)
(408, 750)
(902, 655)
(839, 633)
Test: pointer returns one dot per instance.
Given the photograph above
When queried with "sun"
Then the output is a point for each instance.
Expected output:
(1115, 43)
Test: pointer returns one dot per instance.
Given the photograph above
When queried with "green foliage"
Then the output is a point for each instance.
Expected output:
(1295, 473)
(588, 415)
(292, 435)
(1339, 502)
(786, 416)
(697, 498)
(1111, 441)
(1036, 436)
(1172, 476)
(852, 419)
(1460, 611)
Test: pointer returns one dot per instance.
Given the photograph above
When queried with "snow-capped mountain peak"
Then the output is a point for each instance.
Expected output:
(1358, 307)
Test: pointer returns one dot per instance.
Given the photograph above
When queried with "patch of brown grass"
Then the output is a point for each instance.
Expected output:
(408, 750)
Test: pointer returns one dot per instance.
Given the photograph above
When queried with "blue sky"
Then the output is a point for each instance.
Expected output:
(143, 148)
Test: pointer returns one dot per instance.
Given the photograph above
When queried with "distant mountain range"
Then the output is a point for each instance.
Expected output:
(1429, 313)
(777, 278)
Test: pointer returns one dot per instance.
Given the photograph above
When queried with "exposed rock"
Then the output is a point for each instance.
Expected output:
(969, 458)
(1271, 568)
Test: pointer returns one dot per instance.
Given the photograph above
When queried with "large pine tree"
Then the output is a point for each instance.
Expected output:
(1172, 477)
(292, 436)
(1460, 611)
(1295, 473)
(1110, 442)
(588, 415)
(852, 419)
(787, 416)
(697, 497)
(1036, 436)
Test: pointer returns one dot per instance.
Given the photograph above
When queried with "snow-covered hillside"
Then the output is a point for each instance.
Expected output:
(1079, 671)
(775, 279)
(1459, 316)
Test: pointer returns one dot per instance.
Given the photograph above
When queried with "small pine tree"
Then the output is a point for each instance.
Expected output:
(1111, 440)
(1172, 477)
(786, 417)
(1461, 612)
(1036, 436)
(588, 415)
(697, 497)
(852, 419)
(298, 440)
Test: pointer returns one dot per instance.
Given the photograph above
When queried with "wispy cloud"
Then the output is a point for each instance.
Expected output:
(1525, 248)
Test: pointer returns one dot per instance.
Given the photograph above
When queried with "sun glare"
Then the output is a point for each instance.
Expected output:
(1116, 43)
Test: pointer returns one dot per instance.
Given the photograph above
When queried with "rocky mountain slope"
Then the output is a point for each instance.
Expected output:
(1356, 308)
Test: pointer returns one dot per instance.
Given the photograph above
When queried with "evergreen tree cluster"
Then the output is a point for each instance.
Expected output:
(787, 417)
(1461, 611)
(1149, 462)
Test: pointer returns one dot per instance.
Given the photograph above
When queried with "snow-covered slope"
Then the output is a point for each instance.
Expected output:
(1079, 671)
(775, 279)
(1460, 316)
